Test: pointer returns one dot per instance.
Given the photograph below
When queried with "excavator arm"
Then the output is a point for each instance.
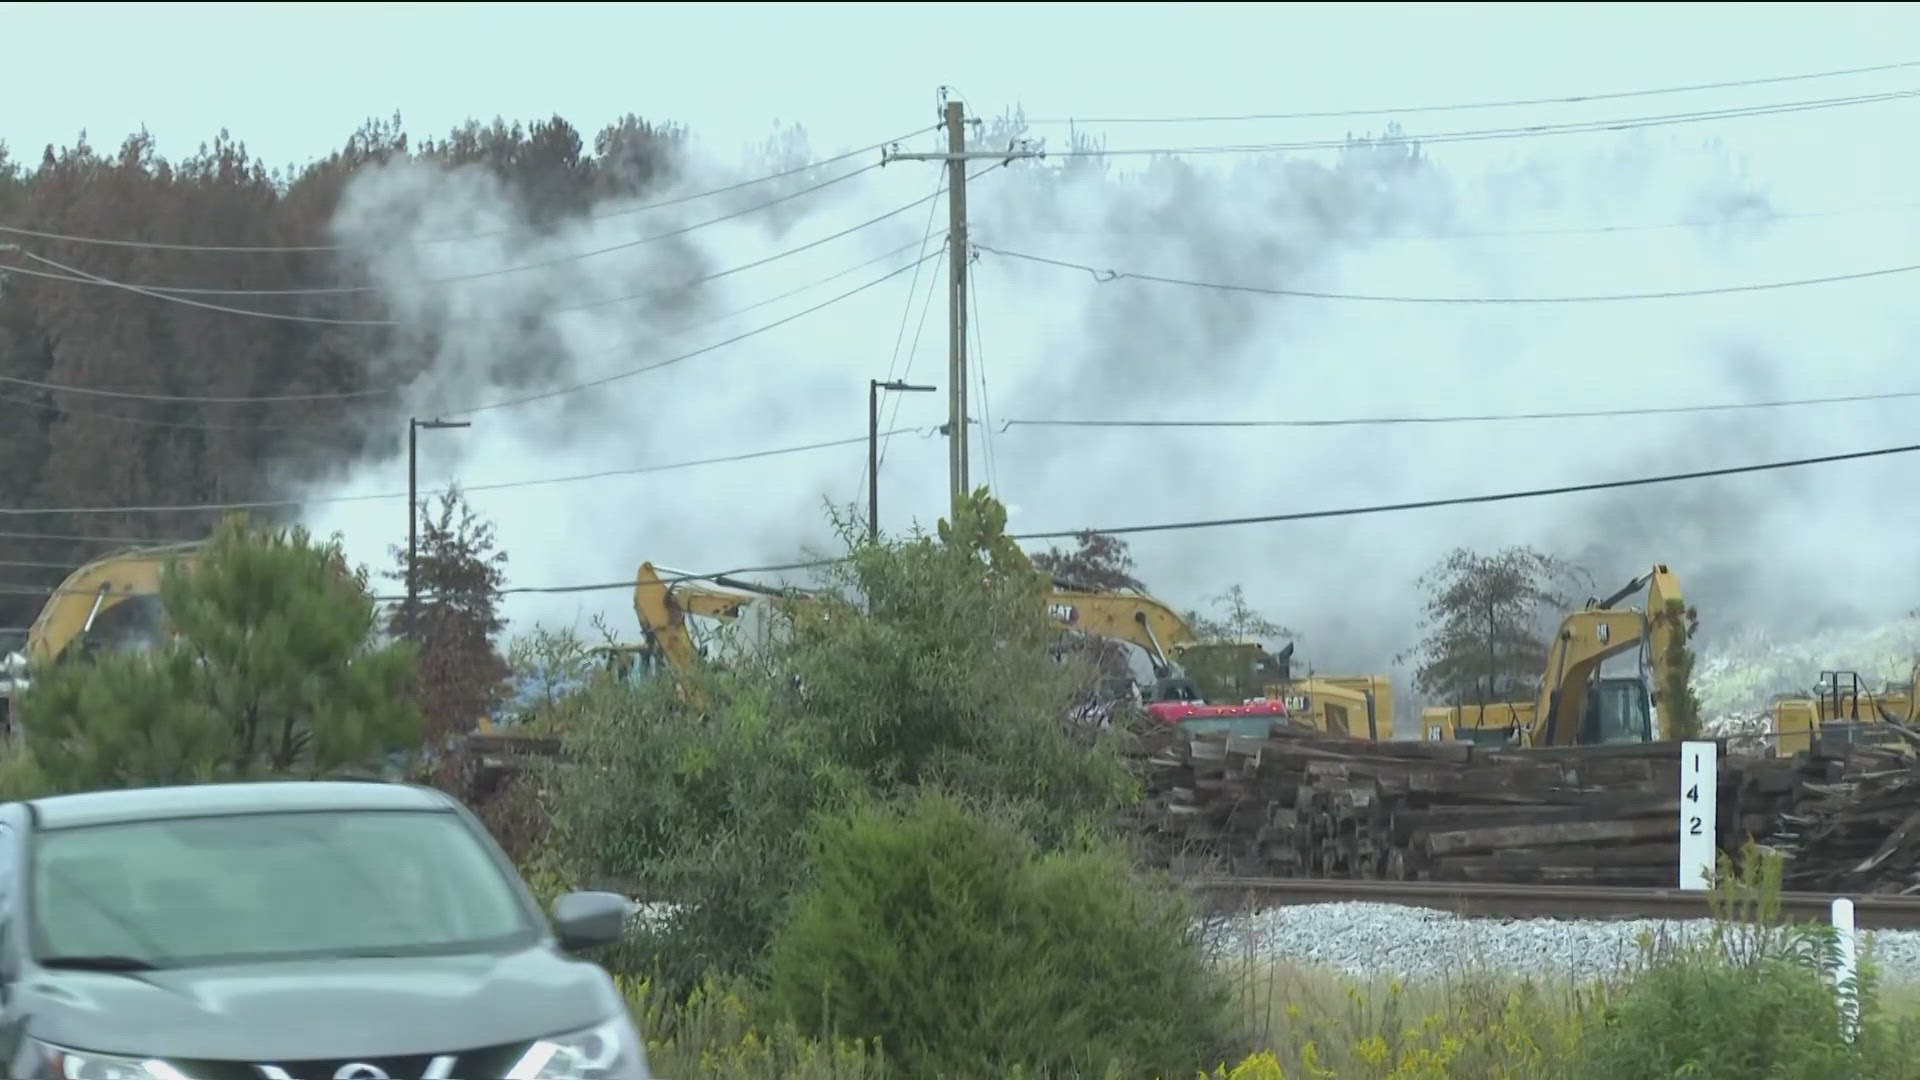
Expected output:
(1586, 640)
(101, 585)
(663, 607)
(1123, 615)
(73, 613)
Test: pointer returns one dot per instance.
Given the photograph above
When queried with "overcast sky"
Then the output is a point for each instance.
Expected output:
(292, 80)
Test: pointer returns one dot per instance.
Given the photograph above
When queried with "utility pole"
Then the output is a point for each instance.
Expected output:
(958, 436)
(874, 386)
(414, 424)
(953, 116)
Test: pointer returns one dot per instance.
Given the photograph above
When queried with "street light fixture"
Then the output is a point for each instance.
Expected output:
(414, 424)
(874, 386)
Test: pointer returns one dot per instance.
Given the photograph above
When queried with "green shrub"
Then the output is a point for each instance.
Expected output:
(1752, 999)
(949, 936)
(917, 662)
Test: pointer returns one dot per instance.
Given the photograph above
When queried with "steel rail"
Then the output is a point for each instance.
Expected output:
(1492, 900)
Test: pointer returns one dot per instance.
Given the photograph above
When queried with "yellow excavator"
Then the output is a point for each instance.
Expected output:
(1187, 669)
(663, 607)
(1576, 707)
(1356, 705)
(1842, 709)
(111, 600)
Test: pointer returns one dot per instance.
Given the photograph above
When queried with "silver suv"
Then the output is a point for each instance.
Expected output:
(287, 931)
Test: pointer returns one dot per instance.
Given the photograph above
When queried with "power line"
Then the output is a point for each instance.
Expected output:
(1582, 230)
(1487, 134)
(158, 245)
(1574, 99)
(1469, 500)
(262, 504)
(938, 275)
(74, 275)
(391, 390)
(129, 541)
(1103, 276)
(164, 293)
(1308, 515)
(665, 577)
(656, 365)
(178, 293)
(1463, 418)
(906, 311)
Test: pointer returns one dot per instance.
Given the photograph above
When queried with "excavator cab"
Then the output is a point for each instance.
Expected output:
(1619, 710)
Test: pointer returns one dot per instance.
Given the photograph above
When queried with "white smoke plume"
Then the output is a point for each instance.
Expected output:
(1783, 554)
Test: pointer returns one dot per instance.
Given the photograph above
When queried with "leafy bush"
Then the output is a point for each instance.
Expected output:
(706, 811)
(920, 661)
(950, 937)
(1753, 998)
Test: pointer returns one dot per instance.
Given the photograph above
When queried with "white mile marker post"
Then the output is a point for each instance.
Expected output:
(1846, 968)
(1699, 817)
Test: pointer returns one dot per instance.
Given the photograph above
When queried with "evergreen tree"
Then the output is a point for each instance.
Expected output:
(271, 667)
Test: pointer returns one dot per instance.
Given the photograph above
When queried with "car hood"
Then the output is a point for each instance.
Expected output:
(320, 1008)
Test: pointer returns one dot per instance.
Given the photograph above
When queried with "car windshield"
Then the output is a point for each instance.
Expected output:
(270, 886)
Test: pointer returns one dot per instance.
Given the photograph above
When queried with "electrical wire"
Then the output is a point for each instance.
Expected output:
(1585, 230)
(1471, 500)
(1103, 276)
(1573, 99)
(161, 246)
(74, 275)
(906, 311)
(155, 291)
(1489, 134)
(656, 365)
(913, 351)
(259, 504)
(165, 293)
(1464, 418)
(130, 541)
(980, 369)
(1315, 515)
(387, 391)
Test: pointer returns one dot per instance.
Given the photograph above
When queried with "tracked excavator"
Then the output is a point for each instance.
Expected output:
(113, 600)
(1247, 685)
(1842, 709)
(1172, 697)
(1574, 705)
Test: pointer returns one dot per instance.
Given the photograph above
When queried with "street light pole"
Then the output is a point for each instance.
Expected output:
(414, 424)
(874, 386)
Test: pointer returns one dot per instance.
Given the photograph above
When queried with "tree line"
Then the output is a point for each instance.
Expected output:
(60, 448)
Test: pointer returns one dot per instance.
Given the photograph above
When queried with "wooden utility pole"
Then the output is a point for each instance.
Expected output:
(958, 435)
(953, 116)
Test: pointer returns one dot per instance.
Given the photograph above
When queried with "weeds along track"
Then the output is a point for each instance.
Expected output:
(1502, 901)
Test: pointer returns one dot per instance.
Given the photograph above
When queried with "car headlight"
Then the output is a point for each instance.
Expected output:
(610, 1050)
(65, 1063)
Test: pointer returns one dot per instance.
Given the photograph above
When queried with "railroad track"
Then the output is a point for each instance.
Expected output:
(1486, 900)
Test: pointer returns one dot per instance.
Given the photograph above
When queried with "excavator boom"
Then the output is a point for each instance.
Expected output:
(73, 613)
(1574, 704)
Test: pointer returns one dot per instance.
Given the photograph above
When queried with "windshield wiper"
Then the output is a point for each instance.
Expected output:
(100, 963)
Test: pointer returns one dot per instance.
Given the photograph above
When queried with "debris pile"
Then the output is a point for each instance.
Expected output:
(1854, 825)
(1304, 804)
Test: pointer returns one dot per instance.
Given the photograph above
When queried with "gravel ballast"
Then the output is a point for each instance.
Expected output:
(1390, 940)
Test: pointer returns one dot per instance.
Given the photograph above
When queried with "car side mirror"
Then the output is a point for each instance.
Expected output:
(583, 920)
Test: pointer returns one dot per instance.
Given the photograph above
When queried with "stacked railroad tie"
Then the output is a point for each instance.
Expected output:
(1303, 804)
(1855, 821)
